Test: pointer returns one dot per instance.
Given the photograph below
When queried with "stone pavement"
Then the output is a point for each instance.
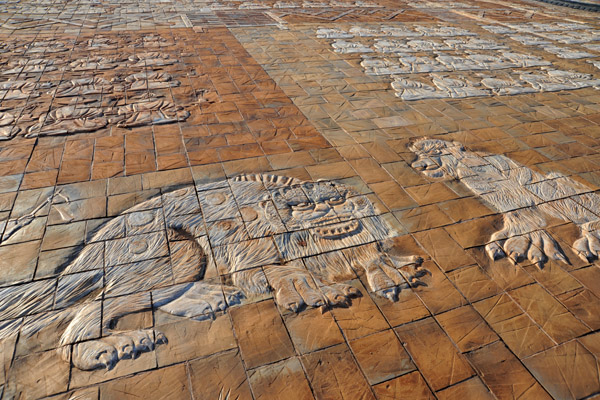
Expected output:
(261, 199)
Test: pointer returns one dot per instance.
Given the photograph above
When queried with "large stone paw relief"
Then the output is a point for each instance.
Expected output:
(197, 251)
(526, 199)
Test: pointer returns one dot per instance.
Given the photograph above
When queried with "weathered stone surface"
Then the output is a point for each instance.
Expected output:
(261, 334)
(406, 386)
(442, 364)
(466, 328)
(334, 374)
(381, 356)
(284, 379)
(567, 371)
(516, 329)
(504, 374)
(219, 375)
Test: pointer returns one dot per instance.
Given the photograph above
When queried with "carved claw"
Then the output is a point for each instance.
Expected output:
(537, 247)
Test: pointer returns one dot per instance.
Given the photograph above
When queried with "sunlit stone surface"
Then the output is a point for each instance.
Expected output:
(299, 199)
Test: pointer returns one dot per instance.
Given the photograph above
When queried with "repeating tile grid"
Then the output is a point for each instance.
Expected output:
(480, 314)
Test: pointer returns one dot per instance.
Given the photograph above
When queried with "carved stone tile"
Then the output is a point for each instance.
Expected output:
(552, 316)
(37, 375)
(381, 356)
(170, 382)
(334, 374)
(516, 329)
(190, 339)
(261, 334)
(312, 330)
(504, 374)
(442, 368)
(466, 328)
(471, 388)
(221, 375)
(283, 379)
(410, 385)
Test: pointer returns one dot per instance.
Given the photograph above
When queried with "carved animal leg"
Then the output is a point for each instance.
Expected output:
(106, 352)
(294, 287)
(200, 301)
(523, 237)
(387, 275)
(588, 245)
(91, 353)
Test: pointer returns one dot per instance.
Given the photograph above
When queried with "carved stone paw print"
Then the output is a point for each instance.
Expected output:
(387, 275)
(588, 245)
(106, 352)
(536, 246)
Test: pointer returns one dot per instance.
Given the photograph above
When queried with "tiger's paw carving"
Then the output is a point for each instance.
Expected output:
(588, 245)
(388, 275)
(106, 352)
(537, 247)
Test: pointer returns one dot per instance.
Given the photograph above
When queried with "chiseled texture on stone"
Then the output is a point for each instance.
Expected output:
(134, 264)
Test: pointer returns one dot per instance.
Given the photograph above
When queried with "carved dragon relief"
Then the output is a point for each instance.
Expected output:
(264, 232)
(524, 197)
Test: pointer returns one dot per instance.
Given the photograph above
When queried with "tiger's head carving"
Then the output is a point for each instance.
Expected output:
(438, 158)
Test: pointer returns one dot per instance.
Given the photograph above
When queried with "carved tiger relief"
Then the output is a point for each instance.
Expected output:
(263, 233)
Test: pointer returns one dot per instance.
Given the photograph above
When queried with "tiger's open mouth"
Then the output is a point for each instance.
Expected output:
(338, 230)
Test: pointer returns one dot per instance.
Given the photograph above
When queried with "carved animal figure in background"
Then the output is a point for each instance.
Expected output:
(526, 199)
(259, 232)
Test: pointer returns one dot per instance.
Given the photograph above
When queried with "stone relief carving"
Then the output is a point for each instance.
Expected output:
(25, 65)
(458, 86)
(94, 63)
(378, 66)
(474, 44)
(529, 40)
(68, 119)
(420, 64)
(499, 29)
(266, 232)
(413, 90)
(20, 90)
(525, 197)
(526, 60)
(145, 113)
(502, 87)
(342, 46)
(85, 112)
(7, 128)
(568, 53)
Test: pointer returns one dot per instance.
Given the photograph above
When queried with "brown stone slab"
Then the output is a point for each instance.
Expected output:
(188, 339)
(410, 386)
(442, 365)
(437, 292)
(37, 375)
(504, 374)
(219, 376)
(392, 195)
(408, 308)
(361, 318)
(473, 283)
(381, 356)
(163, 384)
(470, 389)
(261, 334)
(567, 371)
(466, 328)
(312, 329)
(508, 320)
(545, 310)
(282, 380)
(584, 305)
(333, 374)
